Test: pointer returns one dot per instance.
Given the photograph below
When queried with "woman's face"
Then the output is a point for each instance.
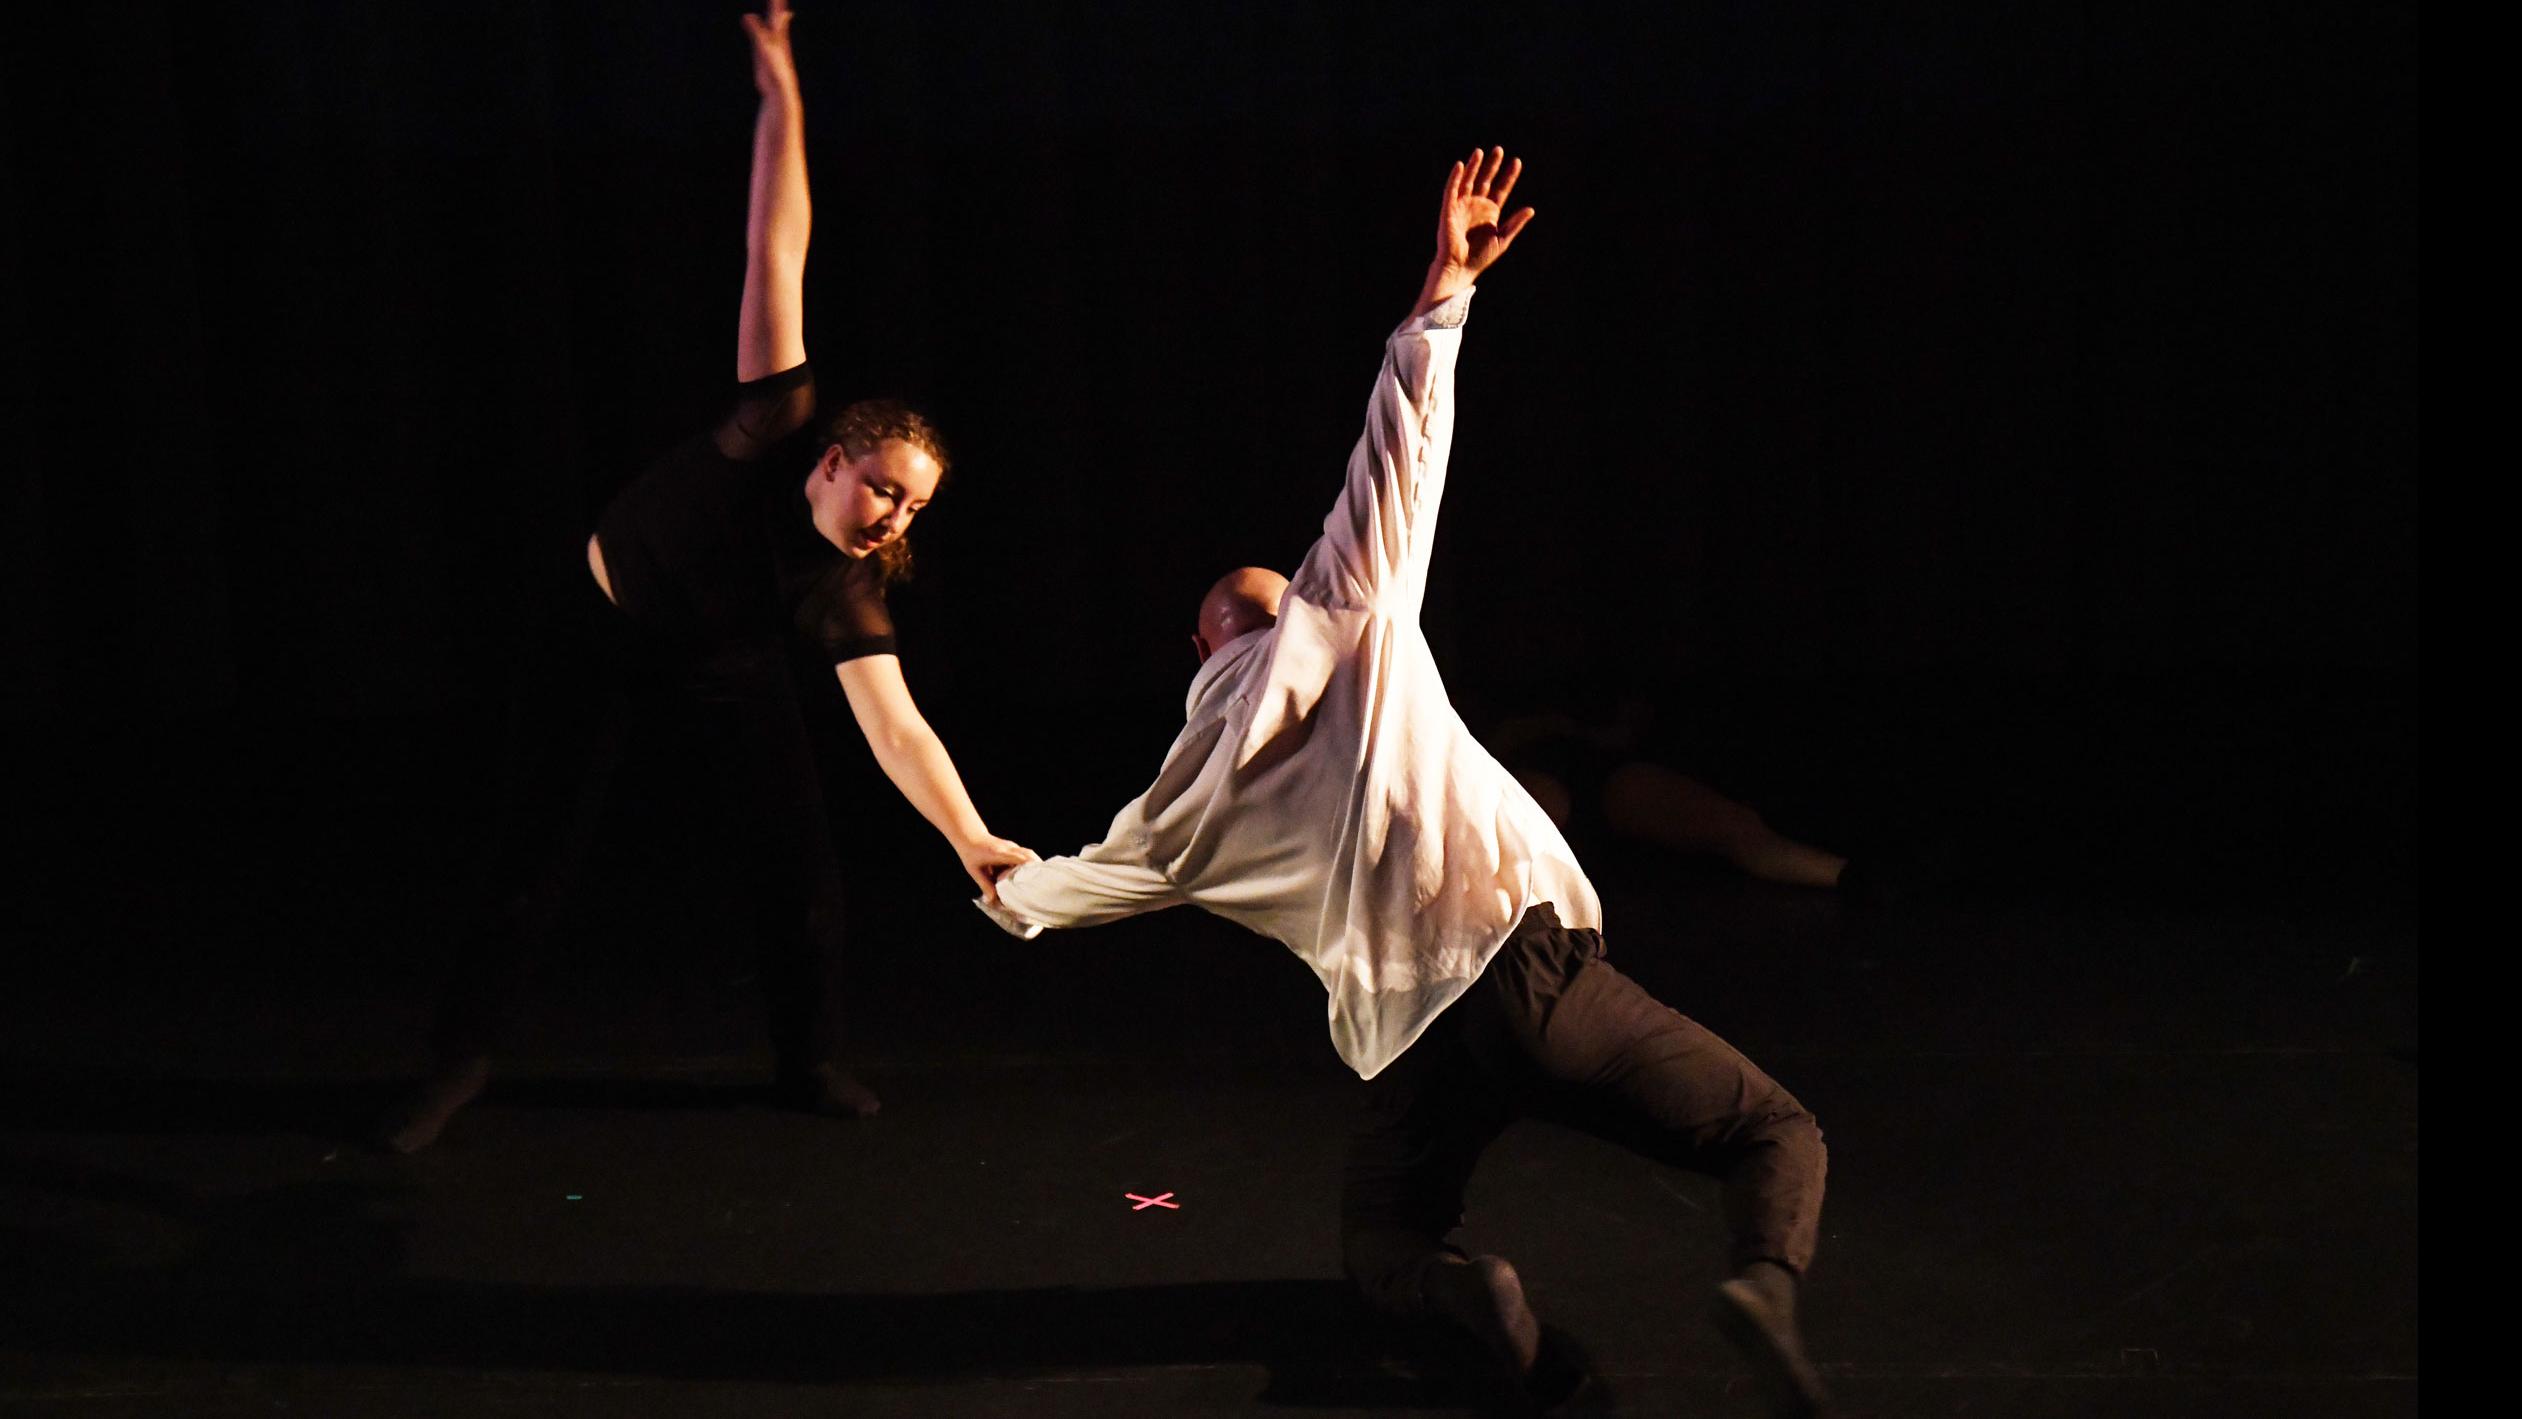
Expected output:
(870, 500)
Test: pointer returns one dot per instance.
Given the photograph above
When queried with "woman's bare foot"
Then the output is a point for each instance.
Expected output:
(416, 1121)
(830, 1090)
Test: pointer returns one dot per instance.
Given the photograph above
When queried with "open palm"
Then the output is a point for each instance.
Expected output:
(1470, 234)
(1472, 230)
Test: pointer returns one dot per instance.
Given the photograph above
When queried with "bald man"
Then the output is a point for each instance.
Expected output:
(1324, 793)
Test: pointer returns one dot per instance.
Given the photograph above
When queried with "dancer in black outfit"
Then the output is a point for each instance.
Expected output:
(753, 545)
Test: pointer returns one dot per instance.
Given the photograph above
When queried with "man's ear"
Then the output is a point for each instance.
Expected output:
(834, 456)
(1200, 647)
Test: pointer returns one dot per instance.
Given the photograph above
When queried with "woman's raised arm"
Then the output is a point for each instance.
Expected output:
(771, 329)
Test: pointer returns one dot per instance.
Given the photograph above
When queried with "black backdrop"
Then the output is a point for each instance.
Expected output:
(2002, 415)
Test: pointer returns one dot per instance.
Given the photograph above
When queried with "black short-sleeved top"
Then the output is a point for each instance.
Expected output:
(713, 551)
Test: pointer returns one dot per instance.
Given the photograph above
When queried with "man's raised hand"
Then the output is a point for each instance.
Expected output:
(1471, 233)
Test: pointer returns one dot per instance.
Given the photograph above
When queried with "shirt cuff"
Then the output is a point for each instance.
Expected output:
(1449, 315)
(1008, 921)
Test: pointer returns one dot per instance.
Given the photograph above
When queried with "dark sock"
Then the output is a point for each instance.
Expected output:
(1484, 1296)
(1756, 1310)
(1775, 1284)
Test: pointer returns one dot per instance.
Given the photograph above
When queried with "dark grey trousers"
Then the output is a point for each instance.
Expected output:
(1552, 1031)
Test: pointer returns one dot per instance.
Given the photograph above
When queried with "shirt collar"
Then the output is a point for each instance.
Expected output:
(1226, 657)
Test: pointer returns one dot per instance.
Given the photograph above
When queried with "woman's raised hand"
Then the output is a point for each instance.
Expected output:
(774, 66)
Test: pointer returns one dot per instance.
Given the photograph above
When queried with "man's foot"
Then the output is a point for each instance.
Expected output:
(830, 1090)
(1756, 1310)
(416, 1121)
(1484, 1297)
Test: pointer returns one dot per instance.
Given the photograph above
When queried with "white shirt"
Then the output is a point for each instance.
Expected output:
(1323, 791)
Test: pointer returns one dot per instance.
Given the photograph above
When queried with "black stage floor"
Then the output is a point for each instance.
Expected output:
(2084, 1161)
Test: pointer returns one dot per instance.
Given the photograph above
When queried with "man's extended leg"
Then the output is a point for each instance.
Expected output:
(1611, 1060)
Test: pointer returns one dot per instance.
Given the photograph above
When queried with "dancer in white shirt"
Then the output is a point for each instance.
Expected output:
(1324, 793)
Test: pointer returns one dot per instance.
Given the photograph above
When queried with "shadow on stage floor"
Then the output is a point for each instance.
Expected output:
(312, 1274)
(327, 1111)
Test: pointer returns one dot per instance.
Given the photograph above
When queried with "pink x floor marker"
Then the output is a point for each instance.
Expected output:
(1143, 1203)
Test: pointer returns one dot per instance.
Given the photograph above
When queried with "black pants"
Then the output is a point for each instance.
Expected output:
(583, 682)
(1552, 1031)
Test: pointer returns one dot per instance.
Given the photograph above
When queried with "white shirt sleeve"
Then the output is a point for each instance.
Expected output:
(1374, 546)
(1077, 891)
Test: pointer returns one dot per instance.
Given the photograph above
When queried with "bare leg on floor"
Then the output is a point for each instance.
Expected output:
(1672, 810)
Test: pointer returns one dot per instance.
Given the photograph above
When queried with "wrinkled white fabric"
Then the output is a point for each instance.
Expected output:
(1323, 791)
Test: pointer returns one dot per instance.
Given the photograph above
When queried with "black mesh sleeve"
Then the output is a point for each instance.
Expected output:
(767, 412)
(845, 616)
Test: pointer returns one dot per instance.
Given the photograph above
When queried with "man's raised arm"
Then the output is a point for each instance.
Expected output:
(1374, 545)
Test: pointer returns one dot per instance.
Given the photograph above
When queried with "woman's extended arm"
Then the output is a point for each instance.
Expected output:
(917, 763)
(771, 328)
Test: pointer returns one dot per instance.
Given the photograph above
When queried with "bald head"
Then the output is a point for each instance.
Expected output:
(1243, 600)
